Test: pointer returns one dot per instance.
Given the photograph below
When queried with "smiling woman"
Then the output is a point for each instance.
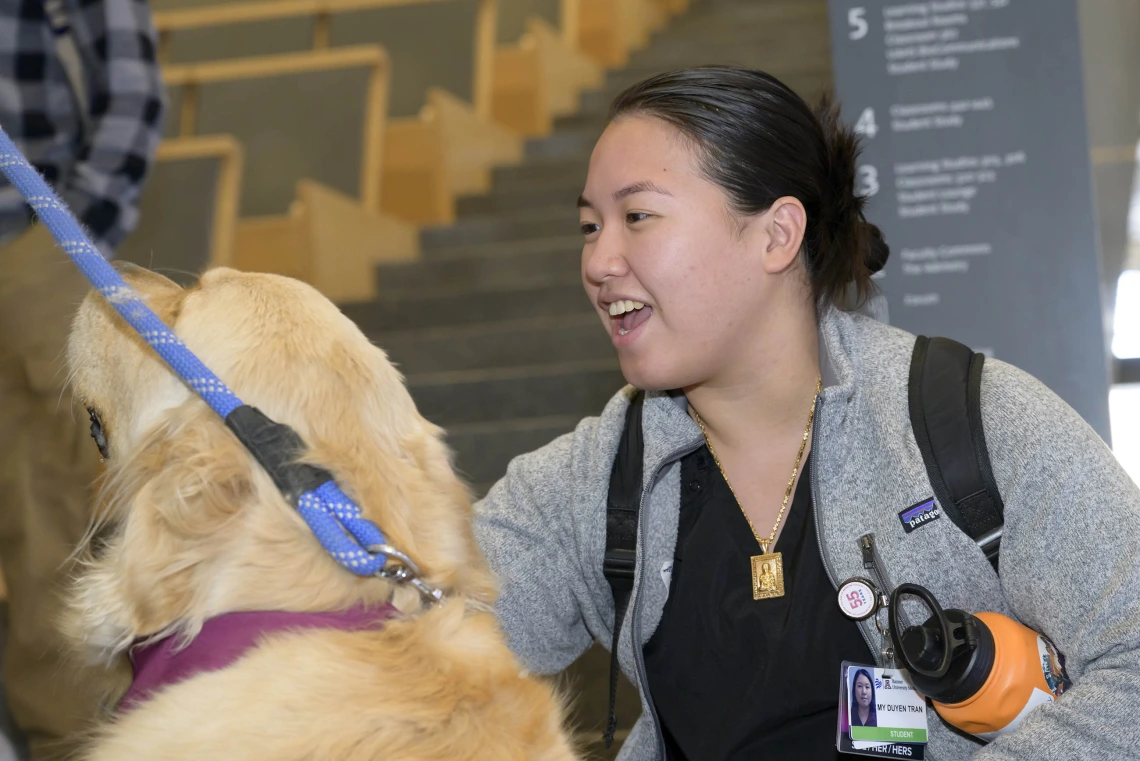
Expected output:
(684, 186)
(726, 253)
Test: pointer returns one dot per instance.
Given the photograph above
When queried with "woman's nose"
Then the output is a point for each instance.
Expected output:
(603, 259)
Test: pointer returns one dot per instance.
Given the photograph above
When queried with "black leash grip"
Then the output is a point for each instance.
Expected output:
(276, 446)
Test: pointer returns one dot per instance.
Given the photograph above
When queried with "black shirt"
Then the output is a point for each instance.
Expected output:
(734, 678)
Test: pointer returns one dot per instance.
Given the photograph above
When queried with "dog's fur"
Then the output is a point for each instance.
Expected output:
(188, 526)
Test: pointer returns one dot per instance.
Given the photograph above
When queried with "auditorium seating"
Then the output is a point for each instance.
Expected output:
(335, 101)
(189, 207)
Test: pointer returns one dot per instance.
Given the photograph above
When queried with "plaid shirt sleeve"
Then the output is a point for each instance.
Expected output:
(127, 103)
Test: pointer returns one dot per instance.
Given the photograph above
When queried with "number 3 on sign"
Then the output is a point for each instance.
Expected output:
(856, 17)
(868, 181)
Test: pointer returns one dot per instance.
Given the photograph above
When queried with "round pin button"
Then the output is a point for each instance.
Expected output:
(858, 599)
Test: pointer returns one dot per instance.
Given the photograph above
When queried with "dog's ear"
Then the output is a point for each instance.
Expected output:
(192, 476)
(176, 499)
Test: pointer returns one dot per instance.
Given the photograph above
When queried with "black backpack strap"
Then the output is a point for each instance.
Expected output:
(622, 505)
(944, 396)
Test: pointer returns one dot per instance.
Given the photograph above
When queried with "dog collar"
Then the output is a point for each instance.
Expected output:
(225, 638)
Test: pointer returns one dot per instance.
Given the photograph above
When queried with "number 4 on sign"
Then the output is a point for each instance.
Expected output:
(866, 123)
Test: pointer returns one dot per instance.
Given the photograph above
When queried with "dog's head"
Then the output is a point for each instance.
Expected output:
(188, 525)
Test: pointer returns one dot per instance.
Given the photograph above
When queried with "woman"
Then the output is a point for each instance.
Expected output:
(863, 700)
(723, 241)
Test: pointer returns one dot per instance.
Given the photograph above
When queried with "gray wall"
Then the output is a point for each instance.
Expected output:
(978, 171)
(1110, 44)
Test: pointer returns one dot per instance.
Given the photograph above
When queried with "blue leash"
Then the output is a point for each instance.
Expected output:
(354, 542)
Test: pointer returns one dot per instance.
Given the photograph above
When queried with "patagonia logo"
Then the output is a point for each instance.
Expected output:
(919, 515)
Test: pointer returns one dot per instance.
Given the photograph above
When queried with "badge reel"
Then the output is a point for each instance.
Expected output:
(880, 714)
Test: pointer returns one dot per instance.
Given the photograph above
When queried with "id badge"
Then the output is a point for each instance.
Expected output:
(880, 714)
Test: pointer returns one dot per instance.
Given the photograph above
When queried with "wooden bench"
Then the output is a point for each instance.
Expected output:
(412, 143)
(515, 14)
(609, 30)
(189, 208)
(539, 78)
(234, 96)
(516, 89)
(293, 194)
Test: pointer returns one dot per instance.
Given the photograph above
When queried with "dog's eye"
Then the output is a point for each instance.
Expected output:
(98, 434)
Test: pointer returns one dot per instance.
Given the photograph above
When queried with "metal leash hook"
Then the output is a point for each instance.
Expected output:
(406, 572)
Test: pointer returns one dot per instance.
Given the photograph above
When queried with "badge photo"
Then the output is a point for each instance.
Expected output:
(880, 714)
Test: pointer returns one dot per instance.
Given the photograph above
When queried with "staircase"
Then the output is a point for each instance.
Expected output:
(492, 327)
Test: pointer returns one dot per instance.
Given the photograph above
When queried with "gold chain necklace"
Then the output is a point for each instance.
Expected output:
(767, 567)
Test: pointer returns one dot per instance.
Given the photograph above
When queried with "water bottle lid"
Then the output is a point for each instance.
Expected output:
(949, 656)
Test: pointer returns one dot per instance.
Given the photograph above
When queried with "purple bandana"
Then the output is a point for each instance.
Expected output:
(226, 638)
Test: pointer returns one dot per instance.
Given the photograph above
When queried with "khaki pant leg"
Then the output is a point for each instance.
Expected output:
(47, 466)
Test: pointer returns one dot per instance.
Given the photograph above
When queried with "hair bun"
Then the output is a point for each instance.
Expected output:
(877, 250)
(848, 247)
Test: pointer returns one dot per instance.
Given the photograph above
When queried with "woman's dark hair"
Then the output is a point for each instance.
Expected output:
(759, 141)
(872, 715)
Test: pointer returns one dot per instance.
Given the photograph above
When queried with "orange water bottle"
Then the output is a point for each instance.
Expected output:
(984, 673)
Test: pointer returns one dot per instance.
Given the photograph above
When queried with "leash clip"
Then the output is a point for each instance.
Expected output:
(406, 572)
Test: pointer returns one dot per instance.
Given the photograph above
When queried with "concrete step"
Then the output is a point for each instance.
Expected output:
(807, 82)
(580, 121)
(569, 242)
(566, 142)
(542, 298)
(486, 267)
(563, 170)
(791, 42)
(488, 345)
(775, 55)
(788, 71)
(546, 222)
(483, 450)
(476, 396)
(539, 194)
(760, 20)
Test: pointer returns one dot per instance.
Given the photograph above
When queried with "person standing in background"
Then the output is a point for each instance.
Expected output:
(81, 95)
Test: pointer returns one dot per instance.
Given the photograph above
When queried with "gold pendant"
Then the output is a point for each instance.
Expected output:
(767, 575)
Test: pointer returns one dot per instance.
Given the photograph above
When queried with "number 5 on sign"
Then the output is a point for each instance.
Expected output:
(856, 17)
(866, 123)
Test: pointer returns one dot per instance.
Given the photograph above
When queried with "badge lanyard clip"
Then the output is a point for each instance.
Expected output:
(859, 599)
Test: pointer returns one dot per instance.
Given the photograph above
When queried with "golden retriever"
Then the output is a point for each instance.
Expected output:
(189, 527)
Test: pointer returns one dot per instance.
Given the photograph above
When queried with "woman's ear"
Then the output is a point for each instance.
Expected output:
(785, 223)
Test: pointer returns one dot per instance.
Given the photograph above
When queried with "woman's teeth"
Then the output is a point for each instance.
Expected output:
(621, 307)
(628, 315)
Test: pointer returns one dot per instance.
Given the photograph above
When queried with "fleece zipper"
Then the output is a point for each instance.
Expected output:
(864, 626)
(635, 623)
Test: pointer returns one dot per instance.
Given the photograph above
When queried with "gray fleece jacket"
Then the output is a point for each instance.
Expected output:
(1068, 562)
